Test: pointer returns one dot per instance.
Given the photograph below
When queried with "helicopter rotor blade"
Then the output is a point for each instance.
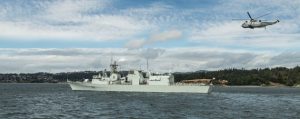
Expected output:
(239, 19)
(264, 20)
(249, 15)
(263, 15)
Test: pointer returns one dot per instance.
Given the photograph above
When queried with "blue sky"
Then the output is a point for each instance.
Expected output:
(171, 29)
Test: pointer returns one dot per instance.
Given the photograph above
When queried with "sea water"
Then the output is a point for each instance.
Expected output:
(58, 101)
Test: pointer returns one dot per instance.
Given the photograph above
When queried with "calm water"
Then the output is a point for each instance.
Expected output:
(58, 101)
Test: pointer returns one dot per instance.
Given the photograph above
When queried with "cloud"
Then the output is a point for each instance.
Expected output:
(207, 40)
(289, 59)
(56, 60)
(230, 33)
(151, 53)
(212, 59)
(102, 29)
(220, 31)
(68, 10)
(68, 20)
(155, 38)
(134, 44)
(164, 36)
(107, 21)
(160, 60)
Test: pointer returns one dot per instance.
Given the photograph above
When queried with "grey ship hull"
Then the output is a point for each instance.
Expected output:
(141, 88)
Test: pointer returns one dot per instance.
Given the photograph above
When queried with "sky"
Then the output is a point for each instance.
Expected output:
(174, 35)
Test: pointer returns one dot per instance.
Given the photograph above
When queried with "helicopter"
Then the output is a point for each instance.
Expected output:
(255, 23)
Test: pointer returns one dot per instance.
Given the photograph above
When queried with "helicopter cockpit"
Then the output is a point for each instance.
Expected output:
(245, 24)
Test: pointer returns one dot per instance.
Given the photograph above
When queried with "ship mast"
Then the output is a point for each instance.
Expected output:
(113, 67)
(147, 64)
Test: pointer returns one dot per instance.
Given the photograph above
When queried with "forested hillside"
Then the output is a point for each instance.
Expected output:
(281, 75)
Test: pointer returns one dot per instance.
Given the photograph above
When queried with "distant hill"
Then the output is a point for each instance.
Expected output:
(267, 76)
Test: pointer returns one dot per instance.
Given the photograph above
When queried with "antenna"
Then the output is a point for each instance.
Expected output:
(147, 64)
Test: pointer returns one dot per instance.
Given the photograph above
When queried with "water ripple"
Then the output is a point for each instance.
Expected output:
(57, 101)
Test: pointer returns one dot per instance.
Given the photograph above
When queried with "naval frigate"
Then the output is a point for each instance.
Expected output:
(135, 81)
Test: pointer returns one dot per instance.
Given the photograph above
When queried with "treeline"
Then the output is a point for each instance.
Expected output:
(44, 77)
(27, 78)
(266, 76)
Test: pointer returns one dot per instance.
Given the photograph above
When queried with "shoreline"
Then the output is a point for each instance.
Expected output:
(229, 86)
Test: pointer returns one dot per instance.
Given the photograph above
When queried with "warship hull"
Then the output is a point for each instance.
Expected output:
(141, 88)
